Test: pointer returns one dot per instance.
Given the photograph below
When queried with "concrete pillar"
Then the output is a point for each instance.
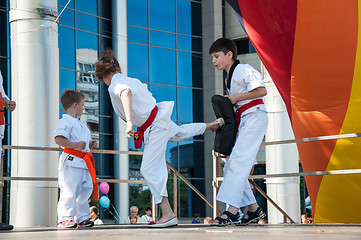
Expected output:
(121, 168)
(212, 29)
(281, 159)
(35, 88)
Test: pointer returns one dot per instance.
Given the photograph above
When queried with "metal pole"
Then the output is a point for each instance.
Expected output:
(175, 194)
(1, 182)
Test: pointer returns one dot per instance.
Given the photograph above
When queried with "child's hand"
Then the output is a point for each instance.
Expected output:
(232, 98)
(11, 105)
(129, 131)
(80, 145)
(93, 144)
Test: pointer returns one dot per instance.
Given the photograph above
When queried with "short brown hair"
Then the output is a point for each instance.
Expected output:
(68, 97)
(94, 209)
(224, 45)
(106, 65)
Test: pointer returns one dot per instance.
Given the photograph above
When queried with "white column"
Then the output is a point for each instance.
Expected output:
(121, 168)
(281, 159)
(35, 88)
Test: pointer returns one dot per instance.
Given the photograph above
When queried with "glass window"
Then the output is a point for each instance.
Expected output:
(138, 62)
(137, 35)
(64, 2)
(88, 6)
(196, 11)
(137, 13)
(171, 155)
(66, 47)
(189, 71)
(67, 17)
(184, 42)
(185, 105)
(162, 39)
(184, 17)
(106, 28)
(86, 40)
(86, 22)
(190, 105)
(184, 69)
(162, 15)
(165, 93)
(66, 81)
(162, 66)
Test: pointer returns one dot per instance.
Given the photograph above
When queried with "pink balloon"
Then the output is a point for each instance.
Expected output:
(104, 187)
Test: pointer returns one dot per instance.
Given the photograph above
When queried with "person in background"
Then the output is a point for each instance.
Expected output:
(147, 217)
(207, 220)
(94, 216)
(10, 105)
(197, 218)
(134, 213)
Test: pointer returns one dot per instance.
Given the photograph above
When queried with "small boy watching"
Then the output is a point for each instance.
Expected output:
(245, 90)
(76, 173)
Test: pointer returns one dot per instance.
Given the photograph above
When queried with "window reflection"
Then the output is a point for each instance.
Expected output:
(67, 48)
(162, 66)
(138, 13)
(88, 85)
(165, 93)
(138, 62)
(162, 39)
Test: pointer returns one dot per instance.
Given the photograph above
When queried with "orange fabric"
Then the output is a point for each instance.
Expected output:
(90, 163)
(2, 117)
(321, 82)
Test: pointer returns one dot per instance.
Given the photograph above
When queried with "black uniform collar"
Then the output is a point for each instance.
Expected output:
(231, 73)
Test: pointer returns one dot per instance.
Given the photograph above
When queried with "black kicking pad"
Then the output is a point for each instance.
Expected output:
(225, 136)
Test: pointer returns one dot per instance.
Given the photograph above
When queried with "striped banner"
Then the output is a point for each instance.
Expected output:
(311, 48)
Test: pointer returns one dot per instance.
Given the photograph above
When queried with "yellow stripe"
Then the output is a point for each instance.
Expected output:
(339, 196)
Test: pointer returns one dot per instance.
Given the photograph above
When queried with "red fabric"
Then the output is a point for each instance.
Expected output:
(244, 108)
(90, 163)
(138, 135)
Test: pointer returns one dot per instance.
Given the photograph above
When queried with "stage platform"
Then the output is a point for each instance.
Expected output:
(191, 231)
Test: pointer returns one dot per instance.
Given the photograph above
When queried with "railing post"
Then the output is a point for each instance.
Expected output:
(175, 194)
(1, 182)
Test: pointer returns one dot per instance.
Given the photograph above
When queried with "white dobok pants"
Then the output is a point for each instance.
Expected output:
(76, 186)
(154, 168)
(235, 189)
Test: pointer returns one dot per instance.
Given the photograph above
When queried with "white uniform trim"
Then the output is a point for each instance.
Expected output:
(235, 189)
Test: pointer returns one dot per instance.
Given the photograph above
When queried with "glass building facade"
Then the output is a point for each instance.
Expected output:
(164, 51)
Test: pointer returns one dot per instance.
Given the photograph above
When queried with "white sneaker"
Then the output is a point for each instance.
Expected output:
(169, 223)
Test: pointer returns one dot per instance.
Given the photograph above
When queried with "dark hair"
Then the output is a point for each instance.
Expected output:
(68, 97)
(224, 45)
(94, 209)
(106, 65)
(148, 208)
(196, 215)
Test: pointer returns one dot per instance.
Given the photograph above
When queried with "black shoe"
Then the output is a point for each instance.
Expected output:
(231, 218)
(253, 216)
(5, 226)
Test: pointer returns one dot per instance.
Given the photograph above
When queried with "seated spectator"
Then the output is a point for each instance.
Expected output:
(134, 213)
(133, 219)
(197, 218)
(306, 218)
(94, 216)
(262, 221)
(147, 217)
(207, 220)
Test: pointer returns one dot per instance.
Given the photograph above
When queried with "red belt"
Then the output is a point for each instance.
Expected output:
(138, 135)
(2, 119)
(90, 163)
(244, 108)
